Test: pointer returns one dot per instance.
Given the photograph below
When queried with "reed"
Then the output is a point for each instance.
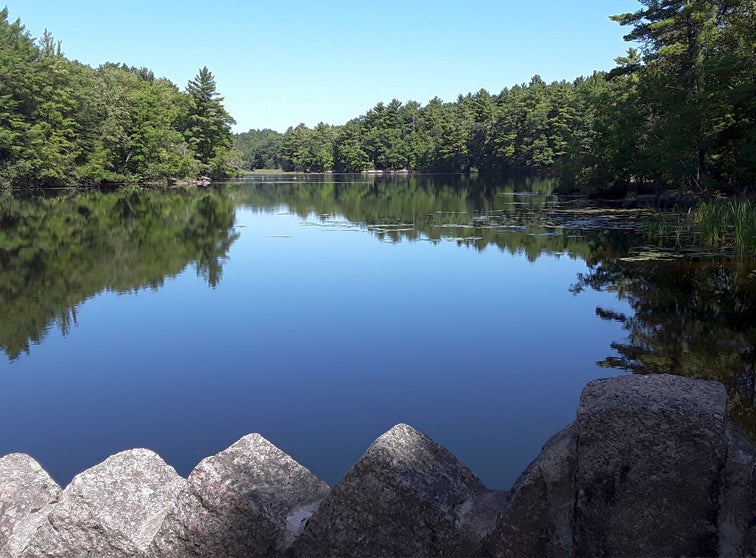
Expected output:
(728, 223)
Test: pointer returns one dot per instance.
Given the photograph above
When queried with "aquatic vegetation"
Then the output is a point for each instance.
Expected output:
(719, 228)
(728, 223)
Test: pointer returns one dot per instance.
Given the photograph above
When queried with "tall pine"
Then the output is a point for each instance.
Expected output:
(208, 126)
(696, 85)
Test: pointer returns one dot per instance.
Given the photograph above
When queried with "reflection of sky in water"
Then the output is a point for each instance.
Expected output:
(320, 339)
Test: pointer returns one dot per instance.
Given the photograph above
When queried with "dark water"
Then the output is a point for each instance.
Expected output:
(321, 311)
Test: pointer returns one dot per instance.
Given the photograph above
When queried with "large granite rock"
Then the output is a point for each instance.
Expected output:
(251, 499)
(737, 528)
(651, 467)
(538, 519)
(111, 510)
(650, 454)
(407, 496)
(26, 495)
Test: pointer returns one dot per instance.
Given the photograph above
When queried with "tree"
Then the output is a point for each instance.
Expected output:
(696, 82)
(208, 126)
(260, 148)
(349, 147)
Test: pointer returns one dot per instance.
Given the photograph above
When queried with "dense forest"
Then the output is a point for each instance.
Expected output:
(62, 122)
(677, 111)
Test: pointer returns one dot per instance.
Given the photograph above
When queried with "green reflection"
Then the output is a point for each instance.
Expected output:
(692, 316)
(694, 307)
(693, 310)
(56, 252)
(517, 214)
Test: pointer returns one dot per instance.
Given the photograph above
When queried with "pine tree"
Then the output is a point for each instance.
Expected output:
(208, 129)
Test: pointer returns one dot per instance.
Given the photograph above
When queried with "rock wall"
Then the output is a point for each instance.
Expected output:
(651, 467)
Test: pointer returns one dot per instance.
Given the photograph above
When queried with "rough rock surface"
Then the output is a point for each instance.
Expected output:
(538, 519)
(407, 496)
(26, 494)
(737, 529)
(649, 456)
(651, 467)
(111, 510)
(251, 499)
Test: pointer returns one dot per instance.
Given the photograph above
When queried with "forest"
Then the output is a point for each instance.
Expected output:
(676, 111)
(65, 123)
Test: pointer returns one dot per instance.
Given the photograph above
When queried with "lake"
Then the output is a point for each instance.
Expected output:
(322, 310)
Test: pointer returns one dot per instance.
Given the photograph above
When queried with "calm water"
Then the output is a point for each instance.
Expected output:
(319, 312)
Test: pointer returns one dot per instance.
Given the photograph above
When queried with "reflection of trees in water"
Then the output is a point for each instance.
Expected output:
(517, 214)
(692, 318)
(57, 252)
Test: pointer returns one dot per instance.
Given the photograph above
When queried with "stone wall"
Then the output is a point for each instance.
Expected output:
(651, 467)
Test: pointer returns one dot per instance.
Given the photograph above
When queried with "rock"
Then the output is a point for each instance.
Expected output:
(649, 456)
(651, 467)
(251, 499)
(26, 494)
(538, 519)
(407, 496)
(111, 510)
(737, 530)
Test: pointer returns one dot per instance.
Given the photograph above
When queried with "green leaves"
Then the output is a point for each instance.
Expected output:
(528, 127)
(65, 123)
(208, 125)
(691, 68)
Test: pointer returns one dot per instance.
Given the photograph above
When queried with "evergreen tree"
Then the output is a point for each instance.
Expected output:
(698, 61)
(208, 126)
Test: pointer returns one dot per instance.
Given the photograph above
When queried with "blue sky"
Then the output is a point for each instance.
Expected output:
(282, 62)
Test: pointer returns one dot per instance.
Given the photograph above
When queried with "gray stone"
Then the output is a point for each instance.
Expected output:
(407, 496)
(649, 459)
(111, 510)
(251, 499)
(538, 519)
(26, 494)
(736, 514)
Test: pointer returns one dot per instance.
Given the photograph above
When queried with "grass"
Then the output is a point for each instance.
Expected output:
(726, 227)
(731, 224)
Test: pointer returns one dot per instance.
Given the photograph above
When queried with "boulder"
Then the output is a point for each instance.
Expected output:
(737, 529)
(111, 510)
(26, 494)
(650, 452)
(407, 496)
(538, 519)
(251, 499)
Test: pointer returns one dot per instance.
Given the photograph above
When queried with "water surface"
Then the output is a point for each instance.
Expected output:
(317, 311)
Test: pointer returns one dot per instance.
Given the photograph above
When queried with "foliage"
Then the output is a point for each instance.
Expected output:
(729, 223)
(695, 90)
(526, 128)
(260, 149)
(676, 112)
(207, 125)
(64, 123)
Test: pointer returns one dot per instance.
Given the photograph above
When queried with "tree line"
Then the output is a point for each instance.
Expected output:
(63, 122)
(677, 111)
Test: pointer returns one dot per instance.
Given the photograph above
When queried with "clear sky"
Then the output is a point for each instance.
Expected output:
(282, 62)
